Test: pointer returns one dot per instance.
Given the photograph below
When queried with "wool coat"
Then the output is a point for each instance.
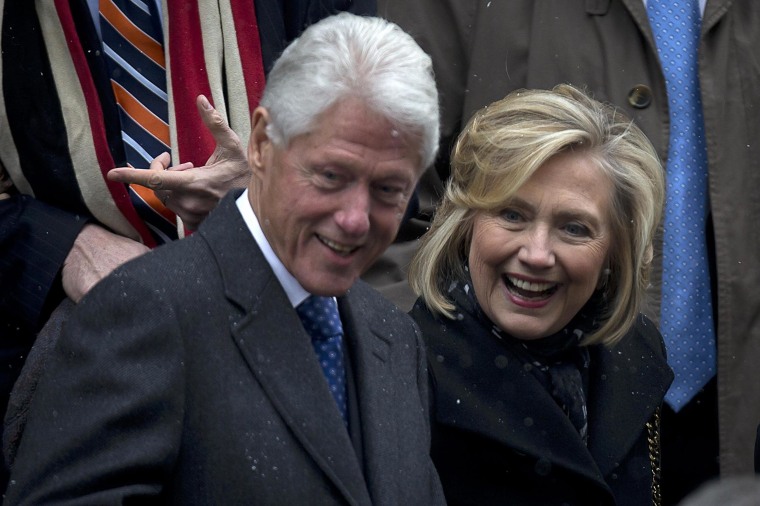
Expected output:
(500, 438)
(186, 377)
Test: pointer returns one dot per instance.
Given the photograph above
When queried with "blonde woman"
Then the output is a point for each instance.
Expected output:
(546, 376)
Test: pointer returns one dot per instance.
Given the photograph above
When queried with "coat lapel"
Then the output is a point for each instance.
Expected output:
(630, 382)
(537, 428)
(479, 382)
(276, 347)
(371, 358)
(714, 11)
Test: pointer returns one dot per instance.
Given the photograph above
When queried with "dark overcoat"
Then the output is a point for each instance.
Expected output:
(500, 438)
(186, 377)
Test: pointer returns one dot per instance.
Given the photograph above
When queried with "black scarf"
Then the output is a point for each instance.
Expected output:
(557, 361)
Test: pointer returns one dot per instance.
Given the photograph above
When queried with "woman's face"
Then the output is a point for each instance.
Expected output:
(538, 261)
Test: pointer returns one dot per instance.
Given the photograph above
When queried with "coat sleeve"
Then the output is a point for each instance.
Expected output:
(46, 209)
(105, 423)
(35, 239)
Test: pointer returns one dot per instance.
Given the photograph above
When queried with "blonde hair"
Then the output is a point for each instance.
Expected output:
(501, 147)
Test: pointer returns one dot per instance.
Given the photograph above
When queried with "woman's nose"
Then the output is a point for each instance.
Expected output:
(537, 250)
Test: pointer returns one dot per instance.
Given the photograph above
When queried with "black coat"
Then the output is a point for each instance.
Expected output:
(186, 377)
(500, 438)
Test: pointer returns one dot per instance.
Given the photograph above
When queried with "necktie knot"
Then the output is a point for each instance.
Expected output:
(320, 317)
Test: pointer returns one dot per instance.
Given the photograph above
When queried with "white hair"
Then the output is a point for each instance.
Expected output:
(349, 56)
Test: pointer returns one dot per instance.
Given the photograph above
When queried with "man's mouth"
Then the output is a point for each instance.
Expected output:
(529, 290)
(341, 249)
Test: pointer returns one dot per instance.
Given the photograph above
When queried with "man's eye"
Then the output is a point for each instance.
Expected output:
(328, 178)
(389, 190)
(389, 193)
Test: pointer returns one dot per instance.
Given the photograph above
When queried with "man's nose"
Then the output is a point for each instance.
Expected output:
(353, 215)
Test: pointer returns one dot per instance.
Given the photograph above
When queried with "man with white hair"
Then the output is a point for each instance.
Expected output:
(187, 376)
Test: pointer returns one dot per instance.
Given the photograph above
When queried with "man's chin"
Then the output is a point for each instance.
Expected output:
(328, 284)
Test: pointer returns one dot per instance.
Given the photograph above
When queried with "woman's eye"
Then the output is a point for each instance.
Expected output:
(511, 215)
(576, 230)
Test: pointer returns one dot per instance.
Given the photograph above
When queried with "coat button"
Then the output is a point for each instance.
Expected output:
(640, 96)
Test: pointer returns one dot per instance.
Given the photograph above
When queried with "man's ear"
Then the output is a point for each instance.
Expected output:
(259, 145)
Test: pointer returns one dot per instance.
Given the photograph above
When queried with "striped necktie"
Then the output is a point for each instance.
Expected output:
(132, 42)
(686, 321)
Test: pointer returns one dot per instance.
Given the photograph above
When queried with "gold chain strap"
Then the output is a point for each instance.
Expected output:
(653, 439)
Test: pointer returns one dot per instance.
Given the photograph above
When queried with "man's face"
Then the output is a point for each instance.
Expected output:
(332, 201)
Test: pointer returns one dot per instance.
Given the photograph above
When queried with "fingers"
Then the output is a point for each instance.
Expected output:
(158, 177)
(216, 124)
(182, 166)
(161, 162)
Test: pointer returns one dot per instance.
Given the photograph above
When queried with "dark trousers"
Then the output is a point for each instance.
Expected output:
(689, 441)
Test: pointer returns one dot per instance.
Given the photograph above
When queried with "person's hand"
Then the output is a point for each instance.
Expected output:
(96, 252)
(192, 192)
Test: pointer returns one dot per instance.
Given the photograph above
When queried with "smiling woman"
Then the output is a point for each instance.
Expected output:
(535, 264)
(546, 377)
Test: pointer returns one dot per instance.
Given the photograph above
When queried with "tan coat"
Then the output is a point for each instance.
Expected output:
(483, 49)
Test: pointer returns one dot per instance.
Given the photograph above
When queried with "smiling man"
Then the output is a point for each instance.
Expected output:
(188, 377)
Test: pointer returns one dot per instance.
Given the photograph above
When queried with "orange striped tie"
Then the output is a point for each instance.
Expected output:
(132, 42)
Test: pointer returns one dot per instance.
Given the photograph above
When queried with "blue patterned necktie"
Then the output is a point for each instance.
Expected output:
(686, 314)
(321, 320)
(132, 43)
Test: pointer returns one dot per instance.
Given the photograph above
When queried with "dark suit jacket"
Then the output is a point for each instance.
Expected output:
(500, 438)
(186, 377)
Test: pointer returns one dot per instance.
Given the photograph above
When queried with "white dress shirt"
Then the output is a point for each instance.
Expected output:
(295, 292)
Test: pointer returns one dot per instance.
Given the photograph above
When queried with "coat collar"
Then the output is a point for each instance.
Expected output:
(476, 374)
(479, 384)
(714, 11)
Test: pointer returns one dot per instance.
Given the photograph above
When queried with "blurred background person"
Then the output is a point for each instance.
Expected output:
(66, 119)
(736, 491)
(687, 72)
(547, 379)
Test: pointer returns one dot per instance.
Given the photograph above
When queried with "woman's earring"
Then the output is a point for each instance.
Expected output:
(604, 278)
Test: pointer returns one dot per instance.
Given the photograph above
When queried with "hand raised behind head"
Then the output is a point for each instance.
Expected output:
(192, 192)
(96, 252)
